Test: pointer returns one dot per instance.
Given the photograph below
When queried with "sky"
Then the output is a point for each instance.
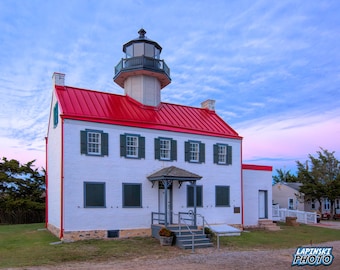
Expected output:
(273, 67)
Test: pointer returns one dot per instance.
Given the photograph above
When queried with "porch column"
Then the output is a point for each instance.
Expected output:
(195, 203)
(165, 184)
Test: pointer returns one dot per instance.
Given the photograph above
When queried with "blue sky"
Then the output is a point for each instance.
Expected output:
(273, 67)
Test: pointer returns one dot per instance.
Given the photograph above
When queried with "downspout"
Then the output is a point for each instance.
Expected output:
(46, 182)
(61, 235)
(242, 189)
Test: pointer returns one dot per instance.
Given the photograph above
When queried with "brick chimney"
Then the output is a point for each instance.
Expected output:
(58, 79)
(208, 104)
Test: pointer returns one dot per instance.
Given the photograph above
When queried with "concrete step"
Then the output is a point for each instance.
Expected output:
(268, 225)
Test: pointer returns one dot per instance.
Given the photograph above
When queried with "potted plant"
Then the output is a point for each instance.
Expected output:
(166, 237)
(208, 232)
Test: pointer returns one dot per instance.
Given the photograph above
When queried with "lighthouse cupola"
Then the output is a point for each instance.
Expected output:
(142, 73)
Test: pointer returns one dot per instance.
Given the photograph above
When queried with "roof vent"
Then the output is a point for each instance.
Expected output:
(58, 79)
(208, 104)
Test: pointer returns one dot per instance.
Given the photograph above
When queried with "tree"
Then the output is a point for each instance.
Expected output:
(22, 191)
(320, 177)
(284, 176)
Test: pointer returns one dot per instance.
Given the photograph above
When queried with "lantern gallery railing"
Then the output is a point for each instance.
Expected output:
(142, 62)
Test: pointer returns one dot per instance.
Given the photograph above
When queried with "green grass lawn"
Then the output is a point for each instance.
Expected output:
(30, 245)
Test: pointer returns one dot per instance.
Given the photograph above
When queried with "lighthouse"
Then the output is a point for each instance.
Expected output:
(142, 74)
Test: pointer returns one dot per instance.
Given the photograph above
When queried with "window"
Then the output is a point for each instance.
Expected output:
(132, 146)
(222, 196)
(55, 115)
(94, 194)
(222, 154)
(326, 204)
(290, 203)
(94, 143)
(132, 195)
(165, 149)
(190, 196)
(194, 152)
(313, 203)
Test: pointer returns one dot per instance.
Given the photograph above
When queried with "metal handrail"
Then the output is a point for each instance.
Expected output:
(142, 61)
(192, 233)
(159, 219)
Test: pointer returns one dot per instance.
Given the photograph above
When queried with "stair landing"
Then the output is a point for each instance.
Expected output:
(268, 225)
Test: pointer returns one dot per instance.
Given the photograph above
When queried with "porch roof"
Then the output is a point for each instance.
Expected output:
(173, 173)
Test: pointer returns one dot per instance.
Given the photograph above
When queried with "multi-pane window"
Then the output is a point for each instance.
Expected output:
(94, 194)
(131, 146)
(190, 196)
(165, 149)
(222, 154)
(222, 196)
(194, 152)
(132, 195)
(94, 142)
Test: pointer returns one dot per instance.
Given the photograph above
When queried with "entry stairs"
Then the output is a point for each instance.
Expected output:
(268, 225)
(186, 238)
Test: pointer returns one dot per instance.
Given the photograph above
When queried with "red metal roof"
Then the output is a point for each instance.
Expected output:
(94, 106)
(257, 167)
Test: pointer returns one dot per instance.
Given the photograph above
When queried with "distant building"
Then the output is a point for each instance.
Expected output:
(118, 163)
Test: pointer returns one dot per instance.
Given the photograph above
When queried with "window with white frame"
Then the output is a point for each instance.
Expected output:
(290, 203)
(94, 143)
(165, 149)
(194, 151)
(222, 154)
(131, 146)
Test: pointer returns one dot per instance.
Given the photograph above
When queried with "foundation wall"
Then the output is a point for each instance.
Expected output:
(72, 236)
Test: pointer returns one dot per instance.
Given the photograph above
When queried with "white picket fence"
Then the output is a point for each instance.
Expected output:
(280, 214)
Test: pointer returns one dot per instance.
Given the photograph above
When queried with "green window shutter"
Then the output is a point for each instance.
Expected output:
(190, 196)
(222, 196)
(202, 153)
(83, 142)
(173, 150)
(55, 115)
(122, 145)
(187, 151)
(157, 148)
(216, 153)
(105, 144)
(94, 194)
(141, 147)
(229, 155)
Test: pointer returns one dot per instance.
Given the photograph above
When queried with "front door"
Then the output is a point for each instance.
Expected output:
(263, 205)
(165, 201)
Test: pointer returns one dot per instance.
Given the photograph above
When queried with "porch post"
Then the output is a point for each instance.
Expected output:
(165, 183)
(195, 203)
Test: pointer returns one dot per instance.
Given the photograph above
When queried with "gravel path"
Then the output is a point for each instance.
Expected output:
(210, 258)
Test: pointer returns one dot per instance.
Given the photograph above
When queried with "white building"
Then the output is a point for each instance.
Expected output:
(118, 163)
